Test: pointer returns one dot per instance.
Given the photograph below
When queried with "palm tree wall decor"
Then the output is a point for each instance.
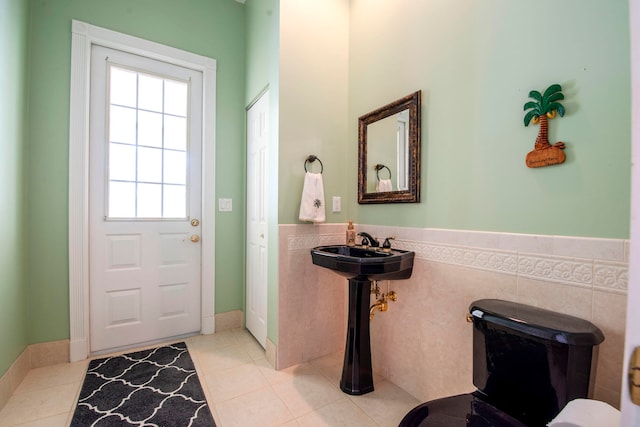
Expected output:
(543, 108)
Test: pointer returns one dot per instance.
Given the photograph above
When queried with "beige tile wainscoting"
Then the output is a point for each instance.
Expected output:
(423, 343)
(421, 347)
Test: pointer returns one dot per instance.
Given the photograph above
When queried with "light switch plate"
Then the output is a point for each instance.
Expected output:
(225, 205)
(336, 204)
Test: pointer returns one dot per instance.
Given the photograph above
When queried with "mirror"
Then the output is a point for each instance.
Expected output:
(389, 153)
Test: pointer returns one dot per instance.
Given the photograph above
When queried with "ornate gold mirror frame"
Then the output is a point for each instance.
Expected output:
(410, 149)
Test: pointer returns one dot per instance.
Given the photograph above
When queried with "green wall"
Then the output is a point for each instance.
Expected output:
(314, 103)
(475, 63)
(14, 37)
(213, 28)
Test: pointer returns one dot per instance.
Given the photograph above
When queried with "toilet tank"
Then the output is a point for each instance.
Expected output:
(530, 362)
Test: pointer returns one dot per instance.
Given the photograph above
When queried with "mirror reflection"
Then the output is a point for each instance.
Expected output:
(389, 153)
(388, 146)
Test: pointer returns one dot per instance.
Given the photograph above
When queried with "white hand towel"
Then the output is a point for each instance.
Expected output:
(312, 203)
(384, 185)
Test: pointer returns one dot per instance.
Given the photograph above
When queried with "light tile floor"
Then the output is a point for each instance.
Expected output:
(241, 387)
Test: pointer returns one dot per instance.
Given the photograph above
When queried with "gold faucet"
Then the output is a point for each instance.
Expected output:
(381, 304)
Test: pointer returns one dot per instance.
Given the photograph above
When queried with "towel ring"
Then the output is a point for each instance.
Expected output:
(380, 166)
(312, 159)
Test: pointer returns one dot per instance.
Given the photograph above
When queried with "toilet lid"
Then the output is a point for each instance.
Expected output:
(465, 410)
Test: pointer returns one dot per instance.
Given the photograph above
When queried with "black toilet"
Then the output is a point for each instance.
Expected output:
(528, 363)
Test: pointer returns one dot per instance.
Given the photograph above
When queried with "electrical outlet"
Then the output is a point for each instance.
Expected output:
(336, 204)
(225, 205)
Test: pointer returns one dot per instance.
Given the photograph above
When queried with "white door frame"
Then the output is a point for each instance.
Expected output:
(83, 37)
(630, 411)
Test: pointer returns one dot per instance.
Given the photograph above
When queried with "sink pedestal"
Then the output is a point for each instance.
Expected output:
(361, 265)
(357, 376)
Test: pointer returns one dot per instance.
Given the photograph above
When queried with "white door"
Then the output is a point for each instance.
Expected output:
(257, 203)
(144, 199)
(631, 412)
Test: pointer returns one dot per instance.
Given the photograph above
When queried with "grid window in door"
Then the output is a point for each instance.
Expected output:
(148, 156)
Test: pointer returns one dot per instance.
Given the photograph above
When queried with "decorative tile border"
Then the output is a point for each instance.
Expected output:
(557, 269)
(611, 275)
(493, 260)
(602, 274)
(308, 241)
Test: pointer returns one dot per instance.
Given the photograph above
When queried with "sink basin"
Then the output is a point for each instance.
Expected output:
(364, 263)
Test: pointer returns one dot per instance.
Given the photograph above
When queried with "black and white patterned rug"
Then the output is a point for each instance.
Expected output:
(157, 387)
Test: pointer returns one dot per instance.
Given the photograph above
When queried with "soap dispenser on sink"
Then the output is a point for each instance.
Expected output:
(351, 234)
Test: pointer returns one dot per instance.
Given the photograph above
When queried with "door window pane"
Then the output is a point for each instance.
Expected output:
(149, 200)
(175, 98)
(122, 162)
(149, 93)
(122, 199)
(175, 132)
(148, 146)
(150, 129)
(149, 164)
(123, 87)
(174, 201)
(175, 167)
(122, 124)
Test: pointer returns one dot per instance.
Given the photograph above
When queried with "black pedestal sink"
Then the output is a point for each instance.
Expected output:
(361, 265)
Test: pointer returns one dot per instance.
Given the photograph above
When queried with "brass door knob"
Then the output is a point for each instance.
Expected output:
(194, 238)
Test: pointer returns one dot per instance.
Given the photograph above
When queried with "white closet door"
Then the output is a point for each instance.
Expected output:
(257, 202)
